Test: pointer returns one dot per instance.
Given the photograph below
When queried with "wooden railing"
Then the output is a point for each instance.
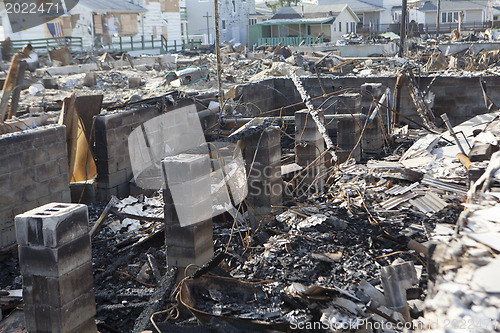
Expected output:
(43, 45)
(174, 46)
(273, 41)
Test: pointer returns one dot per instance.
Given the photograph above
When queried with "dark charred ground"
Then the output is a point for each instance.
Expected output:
(120, 297)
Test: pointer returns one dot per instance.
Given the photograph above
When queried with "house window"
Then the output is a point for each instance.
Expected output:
(450, 17)
(396, 16)
(252, 21)
(309, 30)
(352, 27)
(347, 27)
(234, 6)
(340, 26)
(224, 24)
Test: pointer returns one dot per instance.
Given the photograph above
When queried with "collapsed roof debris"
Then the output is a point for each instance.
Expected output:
(345, 193)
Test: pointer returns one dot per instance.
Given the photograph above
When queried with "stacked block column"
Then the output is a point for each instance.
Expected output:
(349, 129)
(348, 103)
(188, 209)
(309, 146)
(33, 172)
(262, 156)
(56, 264)
(114, 169)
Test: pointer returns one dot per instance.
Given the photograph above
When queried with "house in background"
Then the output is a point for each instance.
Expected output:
(165, 18)
(305, 24)
(367, 12)
(389, 16)
(101, 21)
(234, 18)
(473, 13)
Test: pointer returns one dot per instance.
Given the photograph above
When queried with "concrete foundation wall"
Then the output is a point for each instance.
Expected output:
(460, 97)
(112, 130)
(33, 172)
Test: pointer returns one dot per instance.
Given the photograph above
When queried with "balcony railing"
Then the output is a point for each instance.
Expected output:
(43, 45)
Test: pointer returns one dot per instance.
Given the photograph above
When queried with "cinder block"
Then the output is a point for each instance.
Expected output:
(481, 152)
(52, 225)
(306, 128)
(267, 155)
(192, 192)
(45, 318)
(264, 172)
(34, 190)
(376, 90)
(59, 291)
(46, 171)
(373, 138)
(269, 137)
(134, 82)
(113, 179)
(349, 103)
(193, 235)
(182, 168)
(348, 134)
(50, 262)
(185, 256)
(34, 157)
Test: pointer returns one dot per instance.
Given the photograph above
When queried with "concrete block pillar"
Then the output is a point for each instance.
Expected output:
(56, 264)
(375, 90)
(348, 132)
(262, 157)
(309, 146)
(188, 210)
(348, 103)
(373, 138)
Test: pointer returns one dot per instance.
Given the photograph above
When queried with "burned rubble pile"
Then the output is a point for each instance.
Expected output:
(332, 211)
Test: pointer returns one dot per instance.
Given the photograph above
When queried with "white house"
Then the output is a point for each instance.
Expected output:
(162, 18)
(471, 13)
(233, 19)
(367, 12)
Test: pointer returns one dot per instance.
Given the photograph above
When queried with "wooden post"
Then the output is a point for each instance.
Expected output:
(402, 37)
(14, 103)
(12, 79)
(438, 14)
(217, 54)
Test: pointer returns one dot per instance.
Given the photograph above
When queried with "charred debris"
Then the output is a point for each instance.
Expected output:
(363, 193)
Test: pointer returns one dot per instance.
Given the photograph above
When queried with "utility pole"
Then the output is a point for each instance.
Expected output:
(402, 37)
(208, 28)
(217, 53)
(438, 16)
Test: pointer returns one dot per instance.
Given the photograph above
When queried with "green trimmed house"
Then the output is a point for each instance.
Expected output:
(305, 25)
